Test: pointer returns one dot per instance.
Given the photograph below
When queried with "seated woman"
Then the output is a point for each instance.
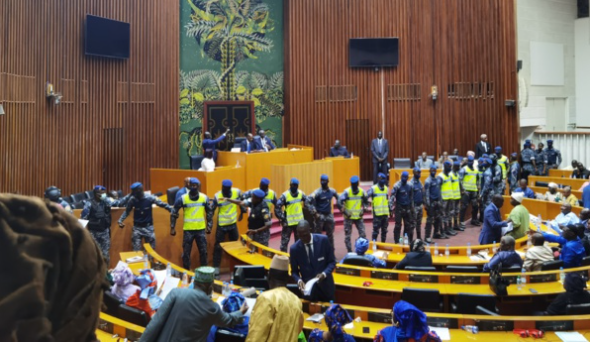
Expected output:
(335, 318)
(575, 293)
(409, 325)
(417, 256)
(229, 305)
(361, 246)
(507, 256)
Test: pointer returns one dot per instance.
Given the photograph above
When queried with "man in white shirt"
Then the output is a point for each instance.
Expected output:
(565, 218)
(538, 254)
(483, 147)
(208, 164)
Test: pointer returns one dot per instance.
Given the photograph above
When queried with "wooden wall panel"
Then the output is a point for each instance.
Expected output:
(118, 118)
(464, 45)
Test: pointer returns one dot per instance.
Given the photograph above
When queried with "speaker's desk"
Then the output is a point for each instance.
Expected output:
(258, 165)
(566, 181)
(162, 179)
(560, 173)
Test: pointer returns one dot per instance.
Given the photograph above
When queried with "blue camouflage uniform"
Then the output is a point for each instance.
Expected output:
(98, 215)
(528, 157)
(432, 203)
(197, 235)
(553, 156)
(143, 221)
(348, 222)
(541, 162)
(418, 191)
(321, 205)
(513, 175)
(402, 198)
(498, 182)
(487, 189)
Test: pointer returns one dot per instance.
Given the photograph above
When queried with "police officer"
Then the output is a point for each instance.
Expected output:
(321, 204)
(456, 195)
(418, 191)
(227, 218)
(487, 187)
(497, 181)
(480, 170)
(432, 202)
(198, 220)
(528, 160)
(514, 175)
(402, 204)
(446, 191)
(380, 204)
(53, 194)
(504, 165)
(97, 211)
(270, 197)
(259, 220)
(143, 220)
(468, 176)
(353, 201)
(541, 160)
(293, 200)
(553, 156)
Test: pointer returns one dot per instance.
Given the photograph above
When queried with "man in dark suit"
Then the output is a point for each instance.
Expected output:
(339, 151)
(312, 256)
(249, 145)
(492, 222)
(264, 142)
(483, 147)
(379, 150)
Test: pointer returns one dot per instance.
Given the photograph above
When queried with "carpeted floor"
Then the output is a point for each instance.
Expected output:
(470, 235)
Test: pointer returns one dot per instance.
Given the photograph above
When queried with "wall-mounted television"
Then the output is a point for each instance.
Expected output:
(373, 52)
(106, 37)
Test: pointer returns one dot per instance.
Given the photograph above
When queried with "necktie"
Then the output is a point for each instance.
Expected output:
(248, 143)
(264, 144)
(309, 252)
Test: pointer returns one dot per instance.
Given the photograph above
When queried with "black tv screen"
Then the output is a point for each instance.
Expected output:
(373, 52)
(106, 37)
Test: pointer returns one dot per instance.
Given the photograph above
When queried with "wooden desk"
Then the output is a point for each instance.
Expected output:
(548, 210)
(343, 170)
(396, 175)
(258, 165)
(162, 179)
(543, 190)
(560, 173)
(574, 183)
(307, 173)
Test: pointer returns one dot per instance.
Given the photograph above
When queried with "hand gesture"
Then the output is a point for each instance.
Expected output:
(244, 308)
(321, 276)
(301, 285)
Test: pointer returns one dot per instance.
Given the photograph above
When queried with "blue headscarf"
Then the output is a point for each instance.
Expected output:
(361, 246)
(335, 317)
(229, 305)
(412, 321)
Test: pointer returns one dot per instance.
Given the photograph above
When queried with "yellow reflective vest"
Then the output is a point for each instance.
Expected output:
(293, 208)
(194, 212)
(228, 212)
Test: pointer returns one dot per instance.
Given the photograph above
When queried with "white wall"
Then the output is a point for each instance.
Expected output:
(550, 21)
(582, 34)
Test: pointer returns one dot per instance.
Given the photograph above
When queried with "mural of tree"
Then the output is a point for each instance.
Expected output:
(230, 31)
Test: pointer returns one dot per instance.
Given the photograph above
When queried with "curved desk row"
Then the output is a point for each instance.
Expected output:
(492, 328)
(377, 287)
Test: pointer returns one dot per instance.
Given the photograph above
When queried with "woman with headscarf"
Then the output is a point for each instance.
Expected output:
(575, 293)
(229, 305)
(361, 246)
(123, 278)
(409, 325)
(335, 317)
(418, 256)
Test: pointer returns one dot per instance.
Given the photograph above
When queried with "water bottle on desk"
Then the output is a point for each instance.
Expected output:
(539, 222)
(406, 240)
(146, 264)
(435, 248)
(522, 278)
(168, 270)
(468, 248)
(518, 283)
(184, 280)
(225, 289)
(374, 246)
(561, 275)
(401, 241)
(470, 329)
(494, 248)
(447, 251)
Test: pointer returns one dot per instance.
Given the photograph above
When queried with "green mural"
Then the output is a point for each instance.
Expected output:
(230, 50)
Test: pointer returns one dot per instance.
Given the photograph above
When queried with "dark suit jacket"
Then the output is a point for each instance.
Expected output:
(266, 141)
(340, 152)
(492, 226)
(324, 262)
(253, 146)
(479, 150)
(379, 153)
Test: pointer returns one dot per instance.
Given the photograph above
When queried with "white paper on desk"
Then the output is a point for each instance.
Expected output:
(251, 302)
(169, 284)
(317, 318)
(160, 277)
(571, 337)
(134, 259)
(83, 222)
(442, 332)
(508, 228)
(309, 286)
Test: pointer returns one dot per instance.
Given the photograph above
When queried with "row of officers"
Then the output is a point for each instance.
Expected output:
(445, 198)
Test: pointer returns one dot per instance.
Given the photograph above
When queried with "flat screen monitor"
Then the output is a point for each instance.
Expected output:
(373, 52)
(106, 37)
